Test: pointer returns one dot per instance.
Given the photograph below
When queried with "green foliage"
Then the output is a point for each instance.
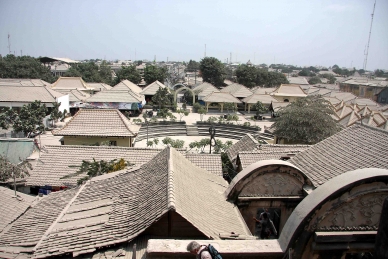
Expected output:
(96, 168)
(192, 66)
(380, 73)
(173, 143)
(247, 124)
(222, 147)
(28, 120)
(200, 145)
(260, 108)
(212, 71)
(308, 120)
(137, 121)
(128, 73)
(182, 113)
(165, 113)
(55, 113)
(270, 79)
(163, 97)
(246, 75)
(24, 67)
(212, 119)
(150, 143)
(314, 80)
(306, 72)
(9, 170)
(153, 73)
(197, 106)
(230, 107)
(91, 72)
(232, 117)
(343, 72)
(330, 77)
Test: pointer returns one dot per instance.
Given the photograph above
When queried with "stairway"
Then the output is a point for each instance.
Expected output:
(192, 130)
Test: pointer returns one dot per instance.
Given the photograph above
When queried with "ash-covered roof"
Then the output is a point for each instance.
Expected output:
(237, 90)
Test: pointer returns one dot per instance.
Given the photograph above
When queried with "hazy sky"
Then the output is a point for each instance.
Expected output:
(299, 32)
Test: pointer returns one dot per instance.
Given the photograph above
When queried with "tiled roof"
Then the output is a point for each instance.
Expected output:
(28, 94)
(297, 80)
(152, 88)
(205, 89)
(97, 122)
(246, 143)
(23, 82)
(289, 90)
(71, 83)
(343, 96)
(264, 98)
(101, 86)
(261, 90)
(12, 207)
(27, 230)
(249, 157)
(126, 85)
(117, 207)
(219, 97)
(75, 95)
(116, 97)
(237, 90)
(58, 161)
(283, 148)
(210, 162)
(355, 147)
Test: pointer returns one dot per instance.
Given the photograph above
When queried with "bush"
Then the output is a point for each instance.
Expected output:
(212, 119)
(247, 124)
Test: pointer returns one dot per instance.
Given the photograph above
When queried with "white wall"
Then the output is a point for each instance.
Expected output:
(64, 100)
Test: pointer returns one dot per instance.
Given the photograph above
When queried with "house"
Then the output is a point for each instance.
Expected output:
(18, 92)
(254, 98)
(288, 93)
(220, 98)
(98, 126)
(364, 87)
(237, 90)
(151, 89)
(159, 199)
(204, 90)
(297, 80)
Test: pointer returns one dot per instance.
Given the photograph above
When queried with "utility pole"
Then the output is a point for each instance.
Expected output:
(370, 32)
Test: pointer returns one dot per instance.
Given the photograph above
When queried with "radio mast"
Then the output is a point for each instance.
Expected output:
(370, 32)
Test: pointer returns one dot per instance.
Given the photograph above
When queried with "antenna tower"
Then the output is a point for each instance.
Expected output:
(9, 44)
(370, 32)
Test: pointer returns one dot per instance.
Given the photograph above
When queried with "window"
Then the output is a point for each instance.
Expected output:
(112, 143)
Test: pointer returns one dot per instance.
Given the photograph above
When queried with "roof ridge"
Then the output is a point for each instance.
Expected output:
(60, 216)
(124, 120)
(170, 181)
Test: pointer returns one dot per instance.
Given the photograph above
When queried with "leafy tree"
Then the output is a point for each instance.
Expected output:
(222, 147)
(212, 119)
(307, 120)
(380, 73)
(200, 145)
(153, 73)
(306, 72)
(270, 79)
(24, 67)
(246, 75)
(28, 120)
(9, 170)
(96, 168)
(229, 107)
(212, 71)
(91, 72)
(182, 113)
(173, 143)
(55, 113)
(260, 108)
(329, 77)
(202, 111)
(163, 97)
(128, 73)
(314, 80)
(192, 66)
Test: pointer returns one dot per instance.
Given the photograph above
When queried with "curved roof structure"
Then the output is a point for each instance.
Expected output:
(126, 85)
(237, 90)
(320, 195)
(219, 97)
(151, 89)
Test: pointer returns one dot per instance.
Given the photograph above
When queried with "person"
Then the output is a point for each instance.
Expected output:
(267, 226)
(199, 250)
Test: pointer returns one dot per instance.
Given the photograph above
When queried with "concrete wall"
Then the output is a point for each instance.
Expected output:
(64, 100)
(84, 140)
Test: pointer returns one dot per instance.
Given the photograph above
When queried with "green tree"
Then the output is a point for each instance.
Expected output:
(24, 67)
(270, 79)
(246, 75)
(128, 73)
(173, 143)
(96, 168)
(163, 97)
(153, 73)
(91, 72)
(229, 107)
(28, 120)
(212, 71)
(200, 145)
(55, 113)
(314, 80)
(182, 113)
(192, 66)
(9, 170)
(307, 120)
(260, 108)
